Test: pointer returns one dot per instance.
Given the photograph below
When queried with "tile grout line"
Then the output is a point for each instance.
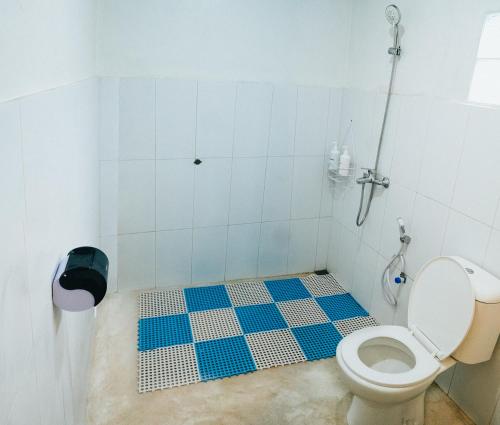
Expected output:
(237, 89)
(292, 177)
(265, 180)
(156, 185)
(324, 178)
(194, 178)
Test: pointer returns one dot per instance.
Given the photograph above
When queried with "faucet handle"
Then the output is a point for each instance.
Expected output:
(367, 171)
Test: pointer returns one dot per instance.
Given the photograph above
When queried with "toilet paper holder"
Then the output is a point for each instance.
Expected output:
(80, 281)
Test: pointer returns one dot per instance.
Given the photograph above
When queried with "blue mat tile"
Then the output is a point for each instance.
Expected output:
(338, 307)
(287, 289)
(260, 317)
(224, 357)
(163, 331)
(318, 341)
(206, 298)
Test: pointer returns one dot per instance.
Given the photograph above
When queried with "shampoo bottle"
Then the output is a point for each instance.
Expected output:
(333, 163)
(345, 162)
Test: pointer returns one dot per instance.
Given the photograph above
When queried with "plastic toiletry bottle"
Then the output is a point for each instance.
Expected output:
(345, 162)
(333, 163)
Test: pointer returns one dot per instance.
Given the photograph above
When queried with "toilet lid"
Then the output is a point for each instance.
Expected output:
(441, 304)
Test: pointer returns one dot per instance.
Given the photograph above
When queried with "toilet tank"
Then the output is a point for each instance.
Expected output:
(480, 341)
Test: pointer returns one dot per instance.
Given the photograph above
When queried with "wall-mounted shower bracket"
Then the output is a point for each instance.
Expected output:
(395, 51)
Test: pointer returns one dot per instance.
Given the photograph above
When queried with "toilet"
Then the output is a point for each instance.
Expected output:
(453, 315)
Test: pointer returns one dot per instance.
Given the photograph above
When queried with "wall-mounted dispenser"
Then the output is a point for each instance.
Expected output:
(81, 279)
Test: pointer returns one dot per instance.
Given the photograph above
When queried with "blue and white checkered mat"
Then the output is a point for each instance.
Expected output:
(198, 334)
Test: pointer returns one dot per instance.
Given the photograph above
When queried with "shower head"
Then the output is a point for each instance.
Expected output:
(393, 14)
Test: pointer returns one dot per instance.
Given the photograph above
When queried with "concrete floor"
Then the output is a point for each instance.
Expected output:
(304, 393)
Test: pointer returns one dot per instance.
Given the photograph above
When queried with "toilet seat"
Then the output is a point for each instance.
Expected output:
(426, 366)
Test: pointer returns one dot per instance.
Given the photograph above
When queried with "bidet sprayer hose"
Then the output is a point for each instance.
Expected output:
(396, 260)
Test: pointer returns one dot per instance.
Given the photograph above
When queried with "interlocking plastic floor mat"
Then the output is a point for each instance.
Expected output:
(198, 334)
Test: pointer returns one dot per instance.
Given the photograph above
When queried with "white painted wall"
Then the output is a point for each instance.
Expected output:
(303, 42)
(49, 191)
(440, 153)
(45, 44)
(49, 178)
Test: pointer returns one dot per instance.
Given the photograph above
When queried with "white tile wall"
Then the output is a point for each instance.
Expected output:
(284, 112)
(400, 202)
(410, 134)
(109, 131)
(109, 245)
(445, 186)
(477, 167)
(242, 251)
(255, 206)
(136, 196)
(109, 197)
(209, 254)
(49, 168)
(278, 187)
(466, 237)
(307, 186)
(443, 148)
(302, 245)
(273, 248)
(174, 194)
(379, 308)
(173, 257)
(136, 260)
(312, 120)
(454, 163)
(493, 253)
(212, 192)
(324, 232)
(428, 228)
(137, 118)
(253, 114)
(175, 118)
(364, 275)
(496, 224)
(247, 190)
(215, 119)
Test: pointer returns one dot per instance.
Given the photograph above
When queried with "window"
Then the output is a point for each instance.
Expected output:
(485, 85)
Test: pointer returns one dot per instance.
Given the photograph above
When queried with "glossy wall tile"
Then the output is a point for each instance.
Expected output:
(256, 172)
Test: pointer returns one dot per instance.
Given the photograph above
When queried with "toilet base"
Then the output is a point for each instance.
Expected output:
(366, 412)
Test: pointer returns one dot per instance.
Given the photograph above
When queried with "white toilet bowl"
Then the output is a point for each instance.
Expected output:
(388, 372)
(389, 368)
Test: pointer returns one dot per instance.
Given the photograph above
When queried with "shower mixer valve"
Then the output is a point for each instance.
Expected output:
(370, 176)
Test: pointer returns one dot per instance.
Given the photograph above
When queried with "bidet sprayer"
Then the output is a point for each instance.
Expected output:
(403, 237)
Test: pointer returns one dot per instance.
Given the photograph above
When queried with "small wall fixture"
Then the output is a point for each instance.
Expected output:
(80, 281)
